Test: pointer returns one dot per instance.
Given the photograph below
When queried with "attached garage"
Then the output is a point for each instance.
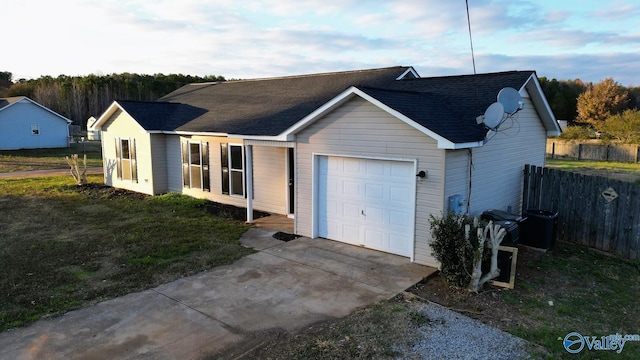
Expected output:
(367, 202)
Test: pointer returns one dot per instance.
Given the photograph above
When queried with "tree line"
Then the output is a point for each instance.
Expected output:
(563, 95)
(582, 103)
(80, 97)
(605, 110)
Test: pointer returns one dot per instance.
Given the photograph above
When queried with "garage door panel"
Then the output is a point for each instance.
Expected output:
(399, 218)
(374, 167)
(350, 188)
(399, 194)
(374, 238)
(368, 202)
(351, 234)
(400, 171)
(374, 216)
(398, 243)
(374, 191)
(350, 211)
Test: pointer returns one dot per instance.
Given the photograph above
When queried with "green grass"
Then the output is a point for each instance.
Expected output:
(63, 246)
(40, 159)
(592, 293)
(590, 164)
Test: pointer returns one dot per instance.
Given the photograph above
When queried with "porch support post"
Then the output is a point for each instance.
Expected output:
(248, 152)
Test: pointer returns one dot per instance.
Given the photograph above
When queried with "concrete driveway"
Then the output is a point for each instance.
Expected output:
(283, 287)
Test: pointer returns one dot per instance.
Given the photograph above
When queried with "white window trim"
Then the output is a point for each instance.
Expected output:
(35, 129)
(231, 170)
(190, 165)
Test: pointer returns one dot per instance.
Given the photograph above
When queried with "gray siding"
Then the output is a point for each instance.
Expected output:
(159, 164)
(498, 165)
(358, 128)
(174, 163)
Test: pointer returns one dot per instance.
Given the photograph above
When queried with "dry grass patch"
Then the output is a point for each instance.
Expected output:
(62, 246)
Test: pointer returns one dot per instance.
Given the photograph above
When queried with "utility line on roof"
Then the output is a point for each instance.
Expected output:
(473, 59)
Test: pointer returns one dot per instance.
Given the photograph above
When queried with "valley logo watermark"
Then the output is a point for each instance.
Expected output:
(575, 342)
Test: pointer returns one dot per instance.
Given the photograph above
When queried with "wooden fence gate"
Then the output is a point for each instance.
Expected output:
(595, 211)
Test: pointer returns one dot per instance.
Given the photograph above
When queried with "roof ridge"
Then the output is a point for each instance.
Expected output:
(331, 73)
(508, 72)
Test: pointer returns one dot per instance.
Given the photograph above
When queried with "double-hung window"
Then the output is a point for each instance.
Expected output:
(195, 165)
(232, 159)
(126, 159)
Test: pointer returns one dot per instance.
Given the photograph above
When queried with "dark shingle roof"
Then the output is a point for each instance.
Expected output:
(9, 100)
(155, 116)
(447, 106)
(461, 99)
(270, 106)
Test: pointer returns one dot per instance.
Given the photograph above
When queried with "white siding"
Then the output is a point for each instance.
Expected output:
(269, 175)
(498, 165)
(15, 127)
(270, 179)
(121, 125)
(358, 128)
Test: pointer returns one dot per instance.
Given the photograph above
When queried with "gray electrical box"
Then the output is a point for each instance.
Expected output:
(456, 204)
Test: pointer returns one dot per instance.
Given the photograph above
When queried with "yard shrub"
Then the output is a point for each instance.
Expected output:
(452, 248)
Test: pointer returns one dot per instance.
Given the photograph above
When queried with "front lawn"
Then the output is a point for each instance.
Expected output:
(43, 159)
(64, 246)
(629, 172)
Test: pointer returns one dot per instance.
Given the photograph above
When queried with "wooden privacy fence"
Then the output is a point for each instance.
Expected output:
(595, 211)
(593, 150)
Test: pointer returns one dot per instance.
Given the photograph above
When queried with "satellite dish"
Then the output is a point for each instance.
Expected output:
(511, 100)
(493, 115)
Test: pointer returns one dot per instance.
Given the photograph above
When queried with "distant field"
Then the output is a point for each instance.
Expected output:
(629, 172)
(43, 159)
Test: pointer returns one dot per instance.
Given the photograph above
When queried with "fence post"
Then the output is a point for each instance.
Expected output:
(553, 150)
(580, 151)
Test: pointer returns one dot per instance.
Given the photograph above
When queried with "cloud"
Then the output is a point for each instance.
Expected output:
(617, 11)
(623, 67)
(263, 38)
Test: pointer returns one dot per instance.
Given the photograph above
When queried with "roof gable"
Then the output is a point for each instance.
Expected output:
(5, 103)
(444, 108)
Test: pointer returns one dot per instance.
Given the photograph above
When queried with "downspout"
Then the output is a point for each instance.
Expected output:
(248, 152)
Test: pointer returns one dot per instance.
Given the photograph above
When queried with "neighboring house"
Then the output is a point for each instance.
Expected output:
(25, 124)
(338, 152)
(92, 134)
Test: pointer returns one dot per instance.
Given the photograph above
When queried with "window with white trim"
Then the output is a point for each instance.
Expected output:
(195, 165)
(232, 164)
(35, 129)
(126, 159)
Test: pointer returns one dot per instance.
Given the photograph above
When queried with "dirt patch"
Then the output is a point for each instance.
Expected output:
(101, 191)
(381, 331)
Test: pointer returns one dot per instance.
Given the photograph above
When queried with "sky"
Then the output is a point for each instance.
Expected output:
(241, 39)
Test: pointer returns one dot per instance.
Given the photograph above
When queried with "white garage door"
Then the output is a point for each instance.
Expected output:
(367, 202)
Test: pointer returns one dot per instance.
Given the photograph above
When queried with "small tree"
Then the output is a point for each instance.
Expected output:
(623, 127)
(80, 176)
(602, 100)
